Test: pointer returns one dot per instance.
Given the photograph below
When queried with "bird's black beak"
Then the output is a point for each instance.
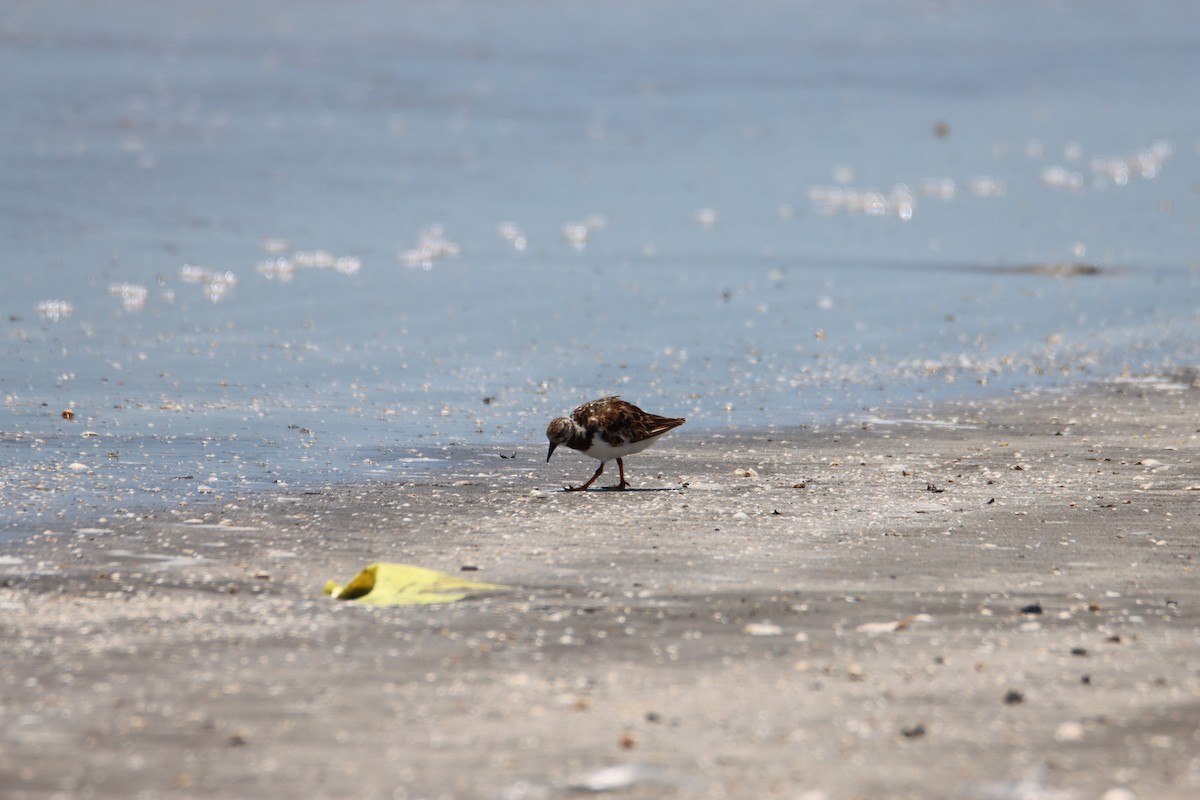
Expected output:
(550, 452)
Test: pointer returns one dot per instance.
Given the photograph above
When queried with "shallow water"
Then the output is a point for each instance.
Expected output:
(776, 216)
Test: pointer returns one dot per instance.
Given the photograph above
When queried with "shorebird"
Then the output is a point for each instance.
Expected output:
(605, 429)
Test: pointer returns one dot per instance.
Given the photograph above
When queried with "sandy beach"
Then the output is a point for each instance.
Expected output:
(293, 288)
(996, 600)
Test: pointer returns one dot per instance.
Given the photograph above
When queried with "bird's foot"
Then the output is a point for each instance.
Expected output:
(620, 487)
(575, 488)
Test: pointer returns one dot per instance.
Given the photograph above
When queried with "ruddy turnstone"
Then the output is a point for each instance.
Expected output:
(605, 429)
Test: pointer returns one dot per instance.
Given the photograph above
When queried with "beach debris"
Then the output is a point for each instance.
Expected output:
(986, 186)
(190, 273)
(276, 269)
(432, 246)
(1118, 793)
(68, 415)
(511, 232)
(618, 778)
(876, 628)
(1145, 163)
(1069, 731)
(1012, 697)
(390, 584)
(829, 200)
(55, 310)
(316, 259)
(283, 268)
(215, 282)
(133, 295)
(1059, 177)
(762, 629)
(579, 233)
(1054, 269)
(320, 259)
(706, 217)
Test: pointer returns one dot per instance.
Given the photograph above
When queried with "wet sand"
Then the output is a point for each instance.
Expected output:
(999, 601)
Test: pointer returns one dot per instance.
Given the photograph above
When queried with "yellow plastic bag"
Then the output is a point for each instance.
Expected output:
(385, 584)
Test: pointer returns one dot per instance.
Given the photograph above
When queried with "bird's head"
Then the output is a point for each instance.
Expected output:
(558, 432)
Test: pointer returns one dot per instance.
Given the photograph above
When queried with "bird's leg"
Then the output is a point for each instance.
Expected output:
(590, 481)
(620, 487)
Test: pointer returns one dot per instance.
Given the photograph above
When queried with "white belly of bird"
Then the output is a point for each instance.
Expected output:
(604, 451)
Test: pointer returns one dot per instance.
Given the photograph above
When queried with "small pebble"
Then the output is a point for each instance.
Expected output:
(762, 629)
(1118, 794)
(1069, 732)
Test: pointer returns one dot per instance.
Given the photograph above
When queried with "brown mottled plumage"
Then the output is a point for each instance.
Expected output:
(605, 429)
